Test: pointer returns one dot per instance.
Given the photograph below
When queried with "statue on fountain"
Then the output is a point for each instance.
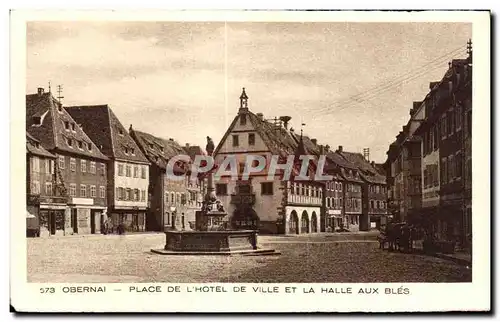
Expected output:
(212, 211)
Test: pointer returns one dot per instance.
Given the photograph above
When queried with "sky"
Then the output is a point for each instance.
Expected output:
(351, 84)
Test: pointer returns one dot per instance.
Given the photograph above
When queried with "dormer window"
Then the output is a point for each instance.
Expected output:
(161, 148)
(151, 146)
(126, 150)
(120, 131)
(89, 146)
(73, 127)
(69, 142)
(132, 151)
(66, 125)
(80, 145)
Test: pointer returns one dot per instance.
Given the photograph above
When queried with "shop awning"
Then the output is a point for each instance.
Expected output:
(29, 215)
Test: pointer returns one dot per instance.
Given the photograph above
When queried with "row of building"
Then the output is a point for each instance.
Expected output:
(428, 166)
(353, 200)
(85, 168)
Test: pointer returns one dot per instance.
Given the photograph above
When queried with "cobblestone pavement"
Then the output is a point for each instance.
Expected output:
(317, 258)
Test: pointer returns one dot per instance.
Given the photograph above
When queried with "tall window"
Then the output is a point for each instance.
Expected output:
(458, 164)
(83, 165)
(92, 167)
(120, 169)
(93, 191)
(458, 111)
(49, 169)
(143, 195)
(251, 139)
(435, 136)
(72, 164)
(451, 125)
(444, 170)
(236, 141)
(136, 194)
(136, 171)
(62, 163)
(36, 164)
(450, 168)
(128, 194)
(102, 192)
(444, 130)
(72, 189)
(143, 172)
(83, 191)
(48, 188)
(128, 170)
(103, 169)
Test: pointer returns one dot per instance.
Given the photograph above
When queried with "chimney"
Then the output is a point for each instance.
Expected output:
(372, 163)
(314, 141)
(170, 139)
(416, 105)
(340, 148)
(327, 148)
(130, 128)
(187, 145)
(321, 149)
(40, 91)
(260, 116)
(432, 84)
(285, 120)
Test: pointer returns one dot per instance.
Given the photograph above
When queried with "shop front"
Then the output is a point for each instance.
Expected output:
(84, 216)
(132, 219)
(334, 220)
(47, 216)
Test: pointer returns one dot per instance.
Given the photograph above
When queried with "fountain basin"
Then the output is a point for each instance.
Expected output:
(228, 242)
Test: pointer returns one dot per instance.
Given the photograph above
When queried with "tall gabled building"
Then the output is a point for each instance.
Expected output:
(172, 203)
(269, 205)
(80, 170)
(446, 154)
(128, 168)
(373, 190)
(41, 194)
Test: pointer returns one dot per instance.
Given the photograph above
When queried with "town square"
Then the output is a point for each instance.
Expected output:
(197, 152)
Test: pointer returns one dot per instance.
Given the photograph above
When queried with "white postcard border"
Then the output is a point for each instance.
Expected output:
(423, 296)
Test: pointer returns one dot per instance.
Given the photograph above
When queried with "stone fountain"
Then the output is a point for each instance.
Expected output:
(212, 234)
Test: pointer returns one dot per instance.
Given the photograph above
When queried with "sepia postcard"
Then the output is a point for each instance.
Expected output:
(250, 161)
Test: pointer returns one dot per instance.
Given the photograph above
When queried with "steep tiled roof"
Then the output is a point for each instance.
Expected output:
(193, 151)
(103, 127)
(368, 172)
(33, 147)
(380, 167)
(47, 121)
(339, 160)
(157, 150)
(277, 139)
